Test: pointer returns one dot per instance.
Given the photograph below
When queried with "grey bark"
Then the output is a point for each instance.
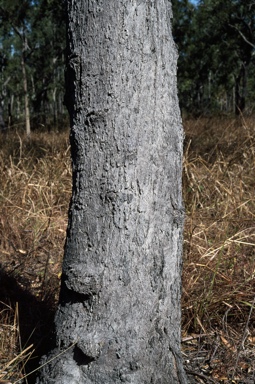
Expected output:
(118, 319)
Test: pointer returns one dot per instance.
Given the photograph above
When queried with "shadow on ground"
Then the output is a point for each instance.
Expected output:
(35, 318)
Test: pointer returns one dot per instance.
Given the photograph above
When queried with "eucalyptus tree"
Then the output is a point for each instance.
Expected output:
(14, 19)
(186, 38)
(33, 44)
(229, 29)
(48, 60)
(216, 41)
(118, 319)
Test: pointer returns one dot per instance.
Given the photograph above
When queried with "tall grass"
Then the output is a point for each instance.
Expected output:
(219, 242)
(13, 356)
(220, 229)
(35, 188)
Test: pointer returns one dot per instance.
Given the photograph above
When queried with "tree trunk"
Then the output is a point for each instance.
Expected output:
(119, 315)
(2, 123)
(240, 90)
(26, 101)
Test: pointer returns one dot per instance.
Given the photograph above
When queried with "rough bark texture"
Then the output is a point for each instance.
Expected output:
(119, 312)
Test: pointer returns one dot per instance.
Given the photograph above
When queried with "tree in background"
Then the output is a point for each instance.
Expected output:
(33, 43)
(49, 60)
(13, 19)
(232, 44)
(215, 69)
(184, 33)
(216, 40)
(119, 316)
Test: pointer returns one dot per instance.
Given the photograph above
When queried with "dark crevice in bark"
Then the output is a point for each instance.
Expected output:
(68, 296)
(81, 358)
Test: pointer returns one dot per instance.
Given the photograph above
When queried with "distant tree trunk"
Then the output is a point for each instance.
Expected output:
(240, 90)
(3, 98)
(119, 315)
(10, 112)
(26, 100)
(54, 91)
(2, 123)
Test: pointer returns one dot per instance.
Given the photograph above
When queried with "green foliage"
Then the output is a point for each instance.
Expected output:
(34, 30)
(216, 41)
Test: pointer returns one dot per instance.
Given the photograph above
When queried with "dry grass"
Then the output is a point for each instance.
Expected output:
(13, 356)
(219, 263)
(35, 188)
(219, 248)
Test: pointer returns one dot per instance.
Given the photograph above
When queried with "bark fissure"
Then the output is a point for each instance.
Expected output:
(81, 358)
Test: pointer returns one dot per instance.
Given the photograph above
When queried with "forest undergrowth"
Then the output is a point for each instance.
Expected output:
(218, 313)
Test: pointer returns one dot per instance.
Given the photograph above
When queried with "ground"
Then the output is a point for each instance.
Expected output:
(218, 335)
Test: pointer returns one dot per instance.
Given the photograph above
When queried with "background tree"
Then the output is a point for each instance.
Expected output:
(184, 33)
(215, 68)
(14, 17)
(33, 44)
(118, 319)
(216, 45)
(48, 78)
(232, 43)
